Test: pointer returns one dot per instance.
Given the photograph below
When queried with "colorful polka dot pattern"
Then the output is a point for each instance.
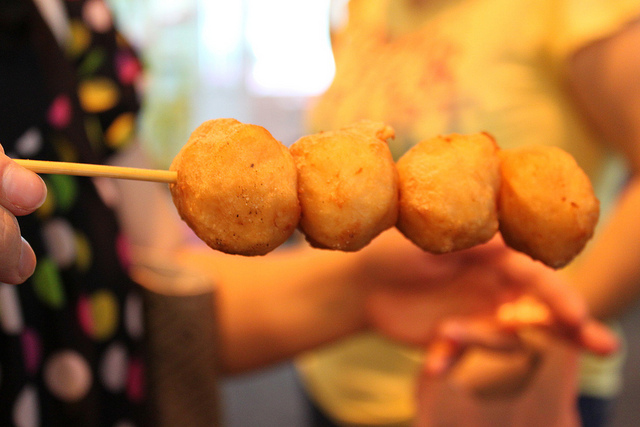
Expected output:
(77, 324)
(48, 284)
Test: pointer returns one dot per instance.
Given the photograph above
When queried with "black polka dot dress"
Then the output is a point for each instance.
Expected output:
(71, 336)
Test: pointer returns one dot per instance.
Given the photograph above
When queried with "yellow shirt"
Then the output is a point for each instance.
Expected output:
(451, 66)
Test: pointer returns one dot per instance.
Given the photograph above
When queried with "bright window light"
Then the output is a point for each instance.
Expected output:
(289, 45)
(221, 25)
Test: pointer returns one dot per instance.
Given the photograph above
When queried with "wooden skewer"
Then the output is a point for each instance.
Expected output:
(84, 169)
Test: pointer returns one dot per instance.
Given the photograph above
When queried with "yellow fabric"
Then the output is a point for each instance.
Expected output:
(451, 66)
(366, 379)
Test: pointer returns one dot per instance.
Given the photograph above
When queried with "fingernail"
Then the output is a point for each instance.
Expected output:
(23, 188)
(26, 263)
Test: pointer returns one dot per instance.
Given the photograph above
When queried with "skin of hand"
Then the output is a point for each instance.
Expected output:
(21, 192)
(499, 313)
(478, 289)
(498, 356)
(475, 281)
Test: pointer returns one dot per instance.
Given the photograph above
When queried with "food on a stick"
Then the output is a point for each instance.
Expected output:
(547, 206)
(347, 185)
(236, 187)
(448, 192)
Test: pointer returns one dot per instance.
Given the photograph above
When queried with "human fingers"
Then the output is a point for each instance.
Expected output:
(441, 356)
(483, 359)
(592, 336)
(453, 338)
(599, 339)
(589, 335)
(525, 311)
(17, 259)
(21, 191)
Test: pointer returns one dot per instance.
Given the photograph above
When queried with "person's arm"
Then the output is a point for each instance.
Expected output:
(21, 192)
(274, 307)
(604, 78)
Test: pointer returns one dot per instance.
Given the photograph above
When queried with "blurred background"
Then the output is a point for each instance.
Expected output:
(245, 59)
(260, 62)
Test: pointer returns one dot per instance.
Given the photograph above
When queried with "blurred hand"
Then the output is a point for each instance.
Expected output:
(21, 192)
(498, 356)
(411, 303)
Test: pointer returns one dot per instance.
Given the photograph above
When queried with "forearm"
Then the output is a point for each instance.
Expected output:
(609, 274)
(273, 307)
(604, 79)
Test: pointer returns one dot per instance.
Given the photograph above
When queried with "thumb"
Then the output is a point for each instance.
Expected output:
(21, 191)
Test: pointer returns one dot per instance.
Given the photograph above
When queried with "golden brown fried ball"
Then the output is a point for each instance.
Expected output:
(236, 187)
(448, 192)
(348, 185)
(547, 206)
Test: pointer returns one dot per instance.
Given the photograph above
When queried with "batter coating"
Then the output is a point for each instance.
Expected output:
(547, 206)
(448, 192)
(348, 185)
(236, 187)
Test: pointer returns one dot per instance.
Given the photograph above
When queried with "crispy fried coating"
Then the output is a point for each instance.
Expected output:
(448, 192)
(348, 185)
(547, 207)
(236, 187)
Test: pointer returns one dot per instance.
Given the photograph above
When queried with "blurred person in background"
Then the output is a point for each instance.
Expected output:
(562, 73)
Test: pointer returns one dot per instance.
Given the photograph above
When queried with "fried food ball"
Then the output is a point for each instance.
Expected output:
(236, 187)
(547, 207)
(347, 185)
(448, 192)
